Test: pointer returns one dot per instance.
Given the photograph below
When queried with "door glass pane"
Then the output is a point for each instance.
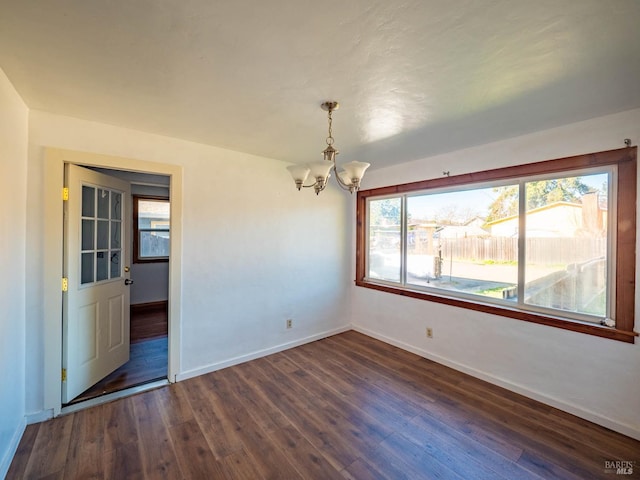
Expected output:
(115, 264)
(86, 267)
(116, 206)
(566, 244)
(102, 266)
(101, 238)
(384, 239)
(103, 203)
(87, 234)
(103, 235)
(88, 201)
(115, 235)
(457, 241)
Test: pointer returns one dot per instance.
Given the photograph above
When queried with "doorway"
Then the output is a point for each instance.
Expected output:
(54, 162)
(146, 227)
(148, 356)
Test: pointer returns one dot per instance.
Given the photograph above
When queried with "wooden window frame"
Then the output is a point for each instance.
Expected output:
(136, 231)
(624, 159)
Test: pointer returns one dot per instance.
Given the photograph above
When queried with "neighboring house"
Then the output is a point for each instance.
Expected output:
(421, 236)
(425, 242)
(559, 219)
(424, 235)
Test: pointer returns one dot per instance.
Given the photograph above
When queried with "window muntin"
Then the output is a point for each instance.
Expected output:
(100, 234)
(152, 220)
(617, 211)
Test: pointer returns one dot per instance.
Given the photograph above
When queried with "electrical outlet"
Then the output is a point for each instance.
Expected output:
(289, 323)
(429, 333)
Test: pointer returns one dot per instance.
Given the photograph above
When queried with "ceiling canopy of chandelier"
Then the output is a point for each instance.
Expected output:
(348, 177)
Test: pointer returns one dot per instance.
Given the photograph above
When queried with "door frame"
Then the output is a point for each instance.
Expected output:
(54, 160)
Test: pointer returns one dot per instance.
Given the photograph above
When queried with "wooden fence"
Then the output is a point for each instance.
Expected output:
(539, 250)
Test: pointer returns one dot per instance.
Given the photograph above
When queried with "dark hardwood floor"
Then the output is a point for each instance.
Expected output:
(147, 362)
(148, 353)
(149, 321)
(344, 407)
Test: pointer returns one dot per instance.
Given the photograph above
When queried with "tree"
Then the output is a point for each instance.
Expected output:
(454, 214)
(539, 194)
(505, 204)
(385, 212)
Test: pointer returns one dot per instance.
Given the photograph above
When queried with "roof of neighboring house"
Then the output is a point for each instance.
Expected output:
(461, 231)
(538, 209)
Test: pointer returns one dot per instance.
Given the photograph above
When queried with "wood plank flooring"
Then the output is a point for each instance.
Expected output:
(346, 407)
(149, 320)
(148, 360)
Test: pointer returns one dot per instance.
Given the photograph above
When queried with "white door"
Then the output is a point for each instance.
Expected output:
(96, 304)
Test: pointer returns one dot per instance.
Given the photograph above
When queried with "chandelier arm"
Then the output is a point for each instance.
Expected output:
(344, 186)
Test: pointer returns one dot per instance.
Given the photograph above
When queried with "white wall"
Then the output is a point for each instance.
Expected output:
(13, 214)
(151, 282)
(589, 376)
(254, 250)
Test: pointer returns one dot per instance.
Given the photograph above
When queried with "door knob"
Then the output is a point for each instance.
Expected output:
(128, 282)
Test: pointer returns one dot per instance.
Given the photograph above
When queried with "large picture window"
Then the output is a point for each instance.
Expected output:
(551, 242)
(151, 224)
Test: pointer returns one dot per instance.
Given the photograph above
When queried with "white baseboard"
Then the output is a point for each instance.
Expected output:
(258, 354)
(38, 417)
(522, 390)
(12, 448)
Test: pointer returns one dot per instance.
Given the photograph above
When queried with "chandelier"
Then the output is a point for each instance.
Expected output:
(348, 178)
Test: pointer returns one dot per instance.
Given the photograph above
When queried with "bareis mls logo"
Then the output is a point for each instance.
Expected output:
(619, 467)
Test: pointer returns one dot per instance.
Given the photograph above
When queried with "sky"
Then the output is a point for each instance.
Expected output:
(476, 201)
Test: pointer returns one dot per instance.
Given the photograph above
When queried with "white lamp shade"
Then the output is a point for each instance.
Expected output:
(354, 170)
(320, 169)
(299, 172)
(344, 176)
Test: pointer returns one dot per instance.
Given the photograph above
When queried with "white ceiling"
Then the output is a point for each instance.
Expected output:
(414, 77)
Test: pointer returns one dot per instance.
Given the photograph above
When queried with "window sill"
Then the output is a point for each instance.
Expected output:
(150, 260)
(575, 326)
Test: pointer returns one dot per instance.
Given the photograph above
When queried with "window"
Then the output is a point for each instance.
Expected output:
(551, 242)
(151, 225)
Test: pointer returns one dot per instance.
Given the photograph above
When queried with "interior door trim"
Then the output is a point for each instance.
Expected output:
(54, 160)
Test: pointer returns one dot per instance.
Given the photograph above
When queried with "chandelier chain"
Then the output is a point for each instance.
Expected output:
(330, 137)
